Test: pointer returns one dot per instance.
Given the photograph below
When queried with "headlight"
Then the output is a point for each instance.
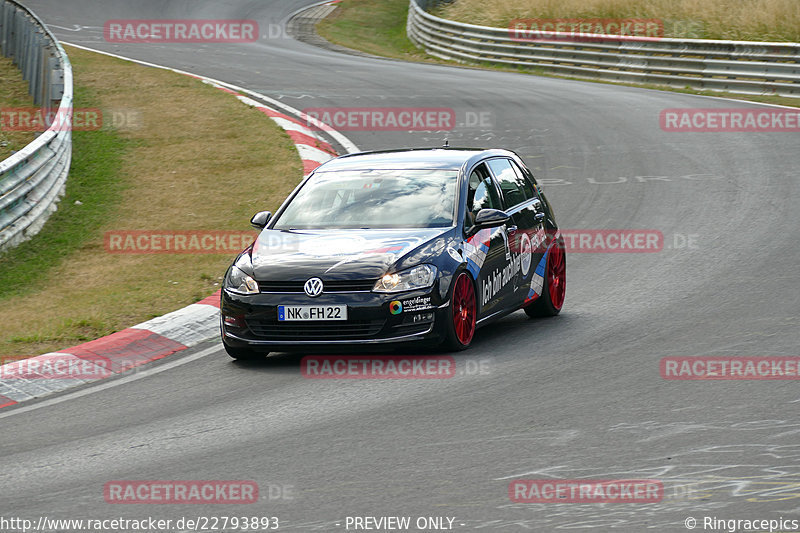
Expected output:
(419, 277)
(239, 282)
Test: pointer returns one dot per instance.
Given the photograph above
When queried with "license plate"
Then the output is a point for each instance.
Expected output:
(311, 312)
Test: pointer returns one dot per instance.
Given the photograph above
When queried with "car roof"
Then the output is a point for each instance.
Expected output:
(410, 158)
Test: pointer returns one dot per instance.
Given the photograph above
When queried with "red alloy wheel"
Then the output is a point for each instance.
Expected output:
(557, 276)
(464, 309)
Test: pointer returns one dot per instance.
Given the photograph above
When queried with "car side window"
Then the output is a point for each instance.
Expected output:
(512, 185)
(527, 186)
(481, 193)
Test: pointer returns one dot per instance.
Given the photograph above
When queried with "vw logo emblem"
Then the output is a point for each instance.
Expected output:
(313, 287)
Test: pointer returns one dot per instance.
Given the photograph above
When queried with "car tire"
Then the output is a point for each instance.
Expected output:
(243, 354)
(461, 313)
(555, 284)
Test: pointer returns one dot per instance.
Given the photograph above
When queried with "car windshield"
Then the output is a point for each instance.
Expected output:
(373, 199)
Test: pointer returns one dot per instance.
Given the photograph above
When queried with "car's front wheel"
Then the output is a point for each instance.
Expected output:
(462, 313)
(555, 284)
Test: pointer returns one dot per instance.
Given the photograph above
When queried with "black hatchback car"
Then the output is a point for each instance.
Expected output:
(395, 246)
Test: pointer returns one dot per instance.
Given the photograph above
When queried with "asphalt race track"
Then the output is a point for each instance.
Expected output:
(572, 397)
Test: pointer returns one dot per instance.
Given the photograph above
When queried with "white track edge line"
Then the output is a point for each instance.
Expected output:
(113, 383)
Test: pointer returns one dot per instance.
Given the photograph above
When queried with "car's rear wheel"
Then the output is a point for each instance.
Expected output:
(555, 284)
(462, 313)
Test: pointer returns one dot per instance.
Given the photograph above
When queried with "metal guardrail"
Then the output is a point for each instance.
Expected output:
(746, 67)
(33, 179)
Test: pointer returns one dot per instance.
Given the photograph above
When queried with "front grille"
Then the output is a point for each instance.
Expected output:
(299, 331)
(329, 286)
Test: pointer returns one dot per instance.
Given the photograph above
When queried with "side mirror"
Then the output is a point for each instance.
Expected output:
(490, 218)
(260, 219)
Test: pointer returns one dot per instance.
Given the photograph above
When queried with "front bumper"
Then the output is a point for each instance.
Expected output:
(252, 320)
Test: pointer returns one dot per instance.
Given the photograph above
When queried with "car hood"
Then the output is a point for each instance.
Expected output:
(357, 254)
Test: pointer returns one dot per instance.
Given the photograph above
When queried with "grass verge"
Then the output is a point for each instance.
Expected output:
(189, 157)
(13, 94)
(751, 20)
(379, 27)
(373, 26)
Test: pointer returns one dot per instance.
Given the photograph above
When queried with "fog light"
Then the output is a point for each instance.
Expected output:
(421, 318)
(234, 321)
